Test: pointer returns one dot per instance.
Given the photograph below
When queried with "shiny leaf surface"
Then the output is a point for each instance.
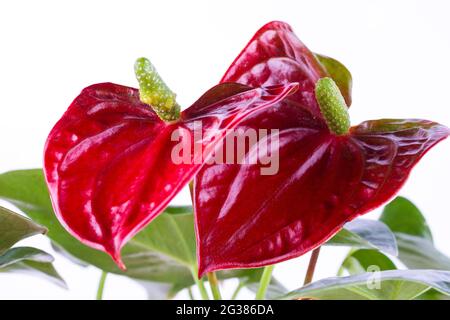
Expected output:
(18, 254)
(419, 253)
(364, 233)
(364, 260)
(14, 227)
(30, 260)
(393, 285)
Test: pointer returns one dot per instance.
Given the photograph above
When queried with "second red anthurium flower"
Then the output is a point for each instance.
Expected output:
(329, 173)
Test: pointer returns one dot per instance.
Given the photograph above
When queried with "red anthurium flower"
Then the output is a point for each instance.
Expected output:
(109, 161)
(328, 172)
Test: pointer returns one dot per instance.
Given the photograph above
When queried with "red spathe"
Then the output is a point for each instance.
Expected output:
(246, 219)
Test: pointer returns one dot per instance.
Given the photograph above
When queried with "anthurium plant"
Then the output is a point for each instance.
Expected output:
(275, 170)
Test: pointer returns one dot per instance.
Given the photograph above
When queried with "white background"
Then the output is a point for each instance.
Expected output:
(397, 51)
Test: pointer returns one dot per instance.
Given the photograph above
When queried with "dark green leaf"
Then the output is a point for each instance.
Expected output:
(401, 215)
(340, 74)
(384, 285)
(366, 234)
(14, 227)
(366, 260)
(171, 235)
(31, 260)
(414, 238)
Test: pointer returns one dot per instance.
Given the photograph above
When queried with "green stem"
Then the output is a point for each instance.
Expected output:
(237, 290)
(264, 282)
(101, 285)
(214, 284)
(311, 266)
(200, 284)
(341, 270)
(190, 293)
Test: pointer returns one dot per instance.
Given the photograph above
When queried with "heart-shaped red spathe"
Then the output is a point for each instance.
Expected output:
(276, 56)
(109, 161)
(246, 219)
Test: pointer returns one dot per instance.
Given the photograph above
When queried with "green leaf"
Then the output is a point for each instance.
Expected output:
(179, 209)
(384, 285)
(32, 260)
(340, 74)
(402, 216)
(19, 254)
(14, 227)
(67, 255)
(414, 238)
(433, 295)
(366, 234)
(171, 235)
(420, 253)
(366, 260)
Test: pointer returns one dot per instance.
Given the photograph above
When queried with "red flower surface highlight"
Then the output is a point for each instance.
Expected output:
(108, 160)
(246, 219)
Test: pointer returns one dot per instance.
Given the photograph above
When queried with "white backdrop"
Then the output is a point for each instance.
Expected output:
(397, 51)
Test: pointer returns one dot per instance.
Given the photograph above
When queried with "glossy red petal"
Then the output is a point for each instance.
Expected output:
(276, 56)
(109, 163)
(245, 219)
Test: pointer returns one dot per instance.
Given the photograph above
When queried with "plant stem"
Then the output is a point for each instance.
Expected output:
(214, 284)
(311, 266)
(190, 293)
(237, 290)
(264, 282)
(200, 284)
(101, 285)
